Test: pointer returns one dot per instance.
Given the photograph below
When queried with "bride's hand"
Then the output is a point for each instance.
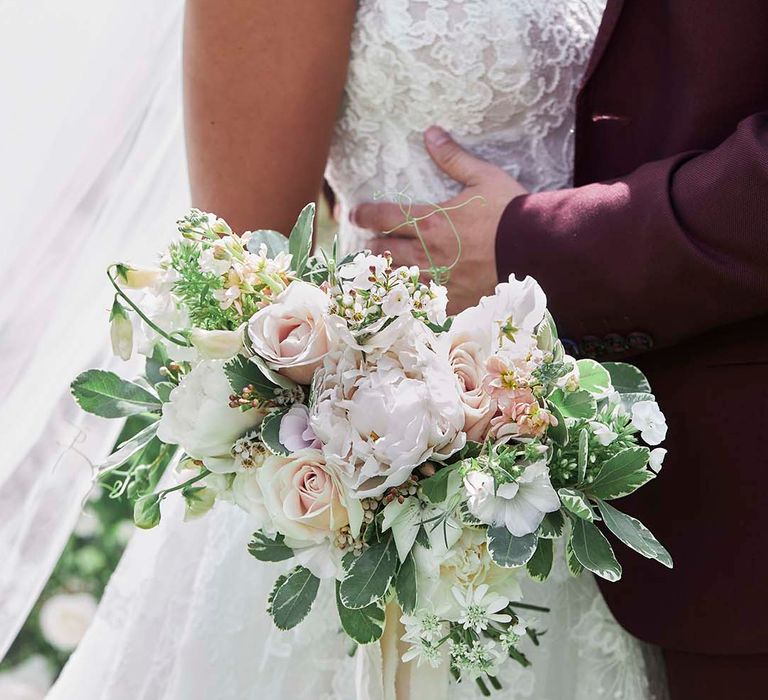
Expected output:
(488, 190)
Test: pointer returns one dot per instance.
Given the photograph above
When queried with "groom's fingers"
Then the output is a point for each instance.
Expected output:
(453, 160)
(389, 218)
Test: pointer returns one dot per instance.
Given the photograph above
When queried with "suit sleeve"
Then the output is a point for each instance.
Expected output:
(673, 249)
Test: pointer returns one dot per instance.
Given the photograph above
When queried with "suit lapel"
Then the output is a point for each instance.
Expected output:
(607, 25)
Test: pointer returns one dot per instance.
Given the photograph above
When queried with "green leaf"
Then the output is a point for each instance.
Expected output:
(510, 551)
(627, 379)
(270, 433)
(405, 585)
(552, 526)
(107, 395)
(634, 534)
(622, 474)
(291, 599)
(128, 448)
(265, 548)
(435, 488)
(300, 240)
(559, 432)
(576, 502)
(583, 454)
(153, 364)
(629, 400)
(540, 564)
(370, 574)
(275, 241)
(164, 390)
(593, 377)
(593, 550)
(363, 625)
(574, 566)
(275, 377)
(575, 404)
(241, 372)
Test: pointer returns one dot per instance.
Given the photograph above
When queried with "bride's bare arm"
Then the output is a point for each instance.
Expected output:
(263, 81)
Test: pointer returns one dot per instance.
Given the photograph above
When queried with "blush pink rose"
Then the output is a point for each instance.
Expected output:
(290, 333)
(467, 358)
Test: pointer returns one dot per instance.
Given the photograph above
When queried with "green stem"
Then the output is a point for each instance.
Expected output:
(528, 606)
(483, 687)
(183, 342)
(162, 494)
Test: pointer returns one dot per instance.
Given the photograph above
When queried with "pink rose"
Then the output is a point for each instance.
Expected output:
(290, 333)
(303, 495)
(467, 359)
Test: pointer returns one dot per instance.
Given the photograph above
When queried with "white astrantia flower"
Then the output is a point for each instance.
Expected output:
(650, 421)
(199, 419)
(519, 505)
(480, 608)
(65, 617)
(656, 459)
(381, 413)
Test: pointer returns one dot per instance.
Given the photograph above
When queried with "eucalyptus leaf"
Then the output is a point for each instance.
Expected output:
(107, 395)
(292, 596)
(575, 404)
(270, 433)
(275, 241)
(593, 550)
(405, 585)
(369, 576)
(266, 548)
(634, 534)
(622, 474)
(540, 564)
(576, 502)
(627, 379)
(363, 625)
(510, 551)
(300, 240)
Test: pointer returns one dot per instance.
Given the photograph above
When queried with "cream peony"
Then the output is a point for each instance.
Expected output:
(290, 334)
(381, 413)
(65, 617)
(303, 495)
(198, 417)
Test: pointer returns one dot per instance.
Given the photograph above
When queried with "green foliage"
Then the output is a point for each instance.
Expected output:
(292, 596)
(266, 548)
(300, 240)
(363, 625)
(405, 584)
(129, 448)
(435, 488)
(153, 364)
(107, 395)
(575, 404)
(146, 511)
(270, 433)
(275, 241)
(627, 379)
(510, 551)
(593, 551)
(622, 474)
(634, 534)
(552, 526)
(540, 564)
(242, 372)
(576, 502)
(593, 377)
(369, 575)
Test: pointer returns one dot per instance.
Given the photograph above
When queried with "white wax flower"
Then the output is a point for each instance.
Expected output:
(397, 302)
(649, 420)
(65, 617)
(519, 505)
(198, 417)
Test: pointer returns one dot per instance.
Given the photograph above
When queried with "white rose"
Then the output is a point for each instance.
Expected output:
(649, 420)
(519, 505)
(217, 345)
(303, 495)
(198, 417)
(65, 617)
(381, 413)
(247, 494)
(290, 333)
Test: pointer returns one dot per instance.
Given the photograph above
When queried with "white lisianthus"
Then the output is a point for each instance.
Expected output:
(649, 420)
(519, 505)
(198, 417)
(381, 413)
(65, 617)
(656, 459)
(217, 345)
(290, 333)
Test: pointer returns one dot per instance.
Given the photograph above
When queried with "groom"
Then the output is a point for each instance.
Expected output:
(659, 253)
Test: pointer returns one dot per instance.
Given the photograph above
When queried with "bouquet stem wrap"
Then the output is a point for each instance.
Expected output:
(381, 675)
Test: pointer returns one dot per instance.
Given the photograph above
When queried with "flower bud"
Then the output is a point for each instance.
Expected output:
(146, 511)
(217, 345)
(140, 278)
(120, 331)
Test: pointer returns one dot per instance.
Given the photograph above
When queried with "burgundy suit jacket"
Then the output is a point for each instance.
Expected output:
(660, 253)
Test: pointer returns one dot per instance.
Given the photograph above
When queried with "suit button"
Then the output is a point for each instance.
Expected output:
(640, 341)
(615, 344)
(570, 347)
(591, 346)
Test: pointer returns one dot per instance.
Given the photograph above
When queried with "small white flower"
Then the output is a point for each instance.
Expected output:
(397, 302)
(649, 420)
(425, 624)
(65, 617)
(436, 304)
(141, 278)
(121, 332)
(657, 458)
(423, 651)
(477, 659)
(605, 436)
(479, 607)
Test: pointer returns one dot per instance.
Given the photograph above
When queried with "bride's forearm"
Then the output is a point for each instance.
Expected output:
(263, 83)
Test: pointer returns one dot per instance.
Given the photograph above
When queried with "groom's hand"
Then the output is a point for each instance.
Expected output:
(487, 191)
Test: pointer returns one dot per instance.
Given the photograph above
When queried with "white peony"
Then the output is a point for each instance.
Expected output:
(519, 505)
(198, 417)
(649, 420)
(290, 333)
(381, 413)
(65, 617)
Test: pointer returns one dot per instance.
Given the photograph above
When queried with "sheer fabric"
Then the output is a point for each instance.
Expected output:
(183, 617)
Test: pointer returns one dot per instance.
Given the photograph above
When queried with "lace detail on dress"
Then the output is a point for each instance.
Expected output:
(500, 75)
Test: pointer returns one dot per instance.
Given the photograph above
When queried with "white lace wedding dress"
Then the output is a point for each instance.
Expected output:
(183, 617)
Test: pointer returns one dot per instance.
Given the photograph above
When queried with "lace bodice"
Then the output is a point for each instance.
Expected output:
(500, 75)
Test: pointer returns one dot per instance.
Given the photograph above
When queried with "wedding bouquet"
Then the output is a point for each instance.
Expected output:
(416, 460)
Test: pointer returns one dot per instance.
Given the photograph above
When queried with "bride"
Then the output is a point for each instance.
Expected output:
(276, 95)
